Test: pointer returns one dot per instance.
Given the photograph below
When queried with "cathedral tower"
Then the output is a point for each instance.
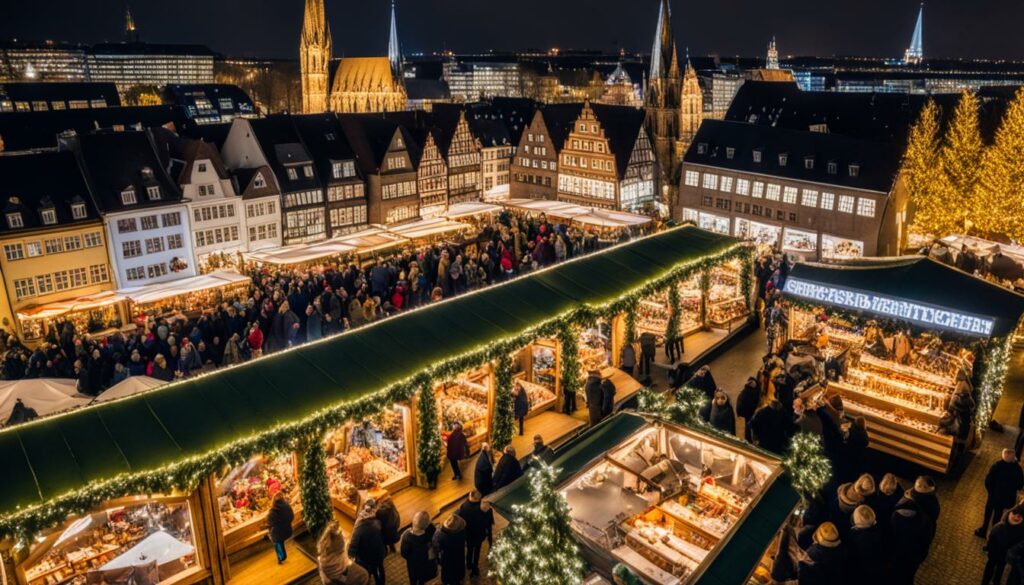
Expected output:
(915, 52)
(662, 95)
(691, 112)
(772, 61)
(314, 57)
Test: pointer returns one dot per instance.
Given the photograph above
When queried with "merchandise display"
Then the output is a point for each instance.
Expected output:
(368, 456)
(544, 366)
(103, 540)
(466, 400)
(664, 500)
(245, 493)
(595, 347)
(190, 302)
(726, 299)
(540, 396)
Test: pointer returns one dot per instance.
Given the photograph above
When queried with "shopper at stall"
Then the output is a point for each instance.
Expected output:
(769, 427)
(826, 558)
(416, 550)
(607, 397)
(923, 492)
(390, 520)
(627, 358)
(457, 449)
(648, 350)
(719, 413)
(160, 370)
(848, 498)
(483, 473)
(592, 390)
(888, 496)
(450, 544)
(508, 469)
(332, 561)
(865, 548)
(367, 545)
(909, 539)
(520, 406)
(279, 525)
(1003, 481)
(1004, 536)
(478, 526)
(541, 452)
(746, 405)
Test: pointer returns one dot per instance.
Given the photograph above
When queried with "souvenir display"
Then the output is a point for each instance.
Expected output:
(595, 347)
(368, 455)
(246, 492)
(90, 543)
(543, 366)
(726, 299)
(652, 316)
(540, 396)
(466, 400)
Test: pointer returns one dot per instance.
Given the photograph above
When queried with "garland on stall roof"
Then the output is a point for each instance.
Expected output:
(684, 409)
(186, 474)
(747, 280)
(504, 423)
(995, 364)
(572, 375)
(317, 510)
(809, 469)
(705, 288)
(630, 336)
(674, 311)
(428, 441)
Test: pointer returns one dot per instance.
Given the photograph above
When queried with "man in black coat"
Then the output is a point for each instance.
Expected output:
(703, 380)
(542, 451)
(648, 349)
(746, 405)
(478, 526)
(415, 549)
(520, 406)
(769, 426)
(592, 389)
(1004, 536)
(483, 474)
(390, 520)
(1005, 478)
(279, 525)
(450, 544)
(607, 397)
(911, 537)
(366, 546)
(508, 469)
(864, 547)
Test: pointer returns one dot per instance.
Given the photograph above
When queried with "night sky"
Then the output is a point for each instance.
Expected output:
(270, 28)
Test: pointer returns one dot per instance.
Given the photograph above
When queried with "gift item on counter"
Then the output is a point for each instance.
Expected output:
(247, 491)
(544, 366)
(465, 401)
(366, 455)
(595, 348)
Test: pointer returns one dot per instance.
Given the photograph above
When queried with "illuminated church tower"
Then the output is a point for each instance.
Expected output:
(691, 112)
(772, 61)
(915, 52)
(662, 95)
(314, 57)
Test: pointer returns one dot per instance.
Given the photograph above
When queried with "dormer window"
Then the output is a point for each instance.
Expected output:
(202, 167)
(757, 155)
(153, 193)
(783, 159)
(49, 216)
(293, 175)
(308, 171)
(259, 182)
(833, 167)
(854, 170)
(336, 170)
(730, 152)
(329, 137)
(78, 210)
(14, 220)
(128, 196)
(702, 148)
(147, 173)
(809, 162)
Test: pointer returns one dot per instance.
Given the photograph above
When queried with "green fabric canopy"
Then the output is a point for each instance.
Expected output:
(47, 458)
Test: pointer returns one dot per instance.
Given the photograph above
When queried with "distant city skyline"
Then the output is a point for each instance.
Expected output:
(270, 28)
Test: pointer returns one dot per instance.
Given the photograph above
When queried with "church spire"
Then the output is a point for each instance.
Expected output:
(314, 57)
(772, 62)
(129, 24)
(915, 52)
(663, 54)
(394, 49)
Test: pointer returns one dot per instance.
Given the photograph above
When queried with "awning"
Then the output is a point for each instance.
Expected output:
(985, 248)
(556, 208)
(152, 293)
(372, 239)
(579, 213)
(44, 395)
(85, 303)
(426, 228)
(301, 253)
(460, 210)
(129, 387)
(612, 219)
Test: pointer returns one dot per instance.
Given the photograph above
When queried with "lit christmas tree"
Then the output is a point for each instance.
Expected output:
(920, 171)
(998, 203)
(807, 465)
(504, 424)
(317, 510)
(960, 163)
(538, 546)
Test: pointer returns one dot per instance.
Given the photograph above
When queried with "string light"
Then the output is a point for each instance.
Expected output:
(317, 510)
(809, 469)
(503, 426)
(428, 458)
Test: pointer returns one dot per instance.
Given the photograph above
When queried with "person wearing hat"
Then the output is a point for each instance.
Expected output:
(1005, 478)
(366, 547)
(848, 498)
(592, 389)
(866, 551)
(887, 495)
(1004, 536)
(826, 561)
(332, 562)
(703, 380)
(924, 494)
(450, 544)
(911, 533)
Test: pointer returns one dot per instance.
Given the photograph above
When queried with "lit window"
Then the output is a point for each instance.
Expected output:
(757, 156)
(49, 216)
(846, 204)
(307, 170)
(789, 195)
(809, 198)
(710, 181)
(34, 249)
(773, 192)
(128, 196)
(14, 220)
(783, 159)
(730, 152)
(78, 210)
(854, 170)
(336, 170)
(742, 187)
(726, 185)
(153, 193)
(758, 191)
(828, 200)
(292, 174)
(808, 162)
(866, 207)
(259, 182)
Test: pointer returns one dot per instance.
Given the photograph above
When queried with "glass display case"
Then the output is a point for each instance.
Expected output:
(467, 400)
(245, 494)
(367, 457)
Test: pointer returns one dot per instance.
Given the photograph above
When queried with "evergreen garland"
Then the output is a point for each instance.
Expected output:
(428, 441)
(808, 468)
(630, 336)
(684, 409)
(504, 424)
(538, 546)
(747, 281)
(571, 376)
(675, 309)
(705, 288)
(317, 510)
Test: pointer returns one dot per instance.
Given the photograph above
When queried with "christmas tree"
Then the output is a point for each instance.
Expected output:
(808, 468)
(920, 171)
(998, 204)
(538, 546)
(428, 457)
(959, 167)
(503, 426)
(317, 510)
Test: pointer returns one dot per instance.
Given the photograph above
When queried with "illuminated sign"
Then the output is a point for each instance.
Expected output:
(907, 310)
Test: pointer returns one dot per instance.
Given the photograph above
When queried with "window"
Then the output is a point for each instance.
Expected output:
(809, 198)
(758, 192)
(730, 152)
(34, 249)
(202, 167)
(259, 182)
(710, 181)
(833, 168)
(293, 175)
(153, 193)
(742, 187)
(726, 185)
(54, 246)
(692, 178)
(757, 155)
(866, 207)
(149, 222)
(336, 170)
(854, 170)
(125, 226)
(78, 210)
(725, 204)
(14, 251)
(131, 249)
(702, 148)
(307, 171)
(135, 273)
(72, 243)
(789, 195)
(60, 280)
(79, 277)
(24, 288)
(44, 284)
(174, 242)
(783, 159)
(156, 270)
(154, 245)
(808, 162)
(846, 204)
(14, 220)
(396, 162)
(98, 273)
(93, 240)
(128, 196)
(706, 200)
(49, 216)
(828, 200)
(773, 192)
(171, 219)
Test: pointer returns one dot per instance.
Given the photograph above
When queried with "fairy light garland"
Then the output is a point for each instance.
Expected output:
(809, 469)
(317, 509)
(428, 440)
(185, 474)
(504, 424)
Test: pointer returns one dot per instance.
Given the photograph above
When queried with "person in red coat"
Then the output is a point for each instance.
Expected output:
(458, 449)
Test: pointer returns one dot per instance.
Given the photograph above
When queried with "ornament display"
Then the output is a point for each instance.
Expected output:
(247, 492)
(367, 455)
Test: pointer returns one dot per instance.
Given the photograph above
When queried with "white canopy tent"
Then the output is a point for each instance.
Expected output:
(469, 209)
(44, 395)
(426, 228)
(129, 387)
(152, 293)
(580, 213)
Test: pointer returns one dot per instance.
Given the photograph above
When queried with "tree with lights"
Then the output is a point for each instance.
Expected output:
(317, 510)
(685, 409)
(809, 469)
(959, 167)
(504, 426)
(428, 456)
(998, 204)
(921, 173)
(538, 546)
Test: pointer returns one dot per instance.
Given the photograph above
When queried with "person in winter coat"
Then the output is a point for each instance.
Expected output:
(415, 549)
(483, 474)
(884, 504)
(255, 340)
(450, 544)
(592, 390)
(136, 365)
(520, 406)
(848, 499)
(1005, 478)
(855, 449)
(508, 469)
(333, 563)
(648, 349)
(923, 493)
(457, 450)
(769, 426)
(232, 352)
(160, 369)
(478, 525)
(314, 322)
(367, 546)
(703, 380)
(279, 525)
(541, 451)
(826, 558)
(909, 540)
(390, 520)
(627, 358)
(865, 548)
(607, 397)
(719, 414)
(1004, 536)
(746, 405)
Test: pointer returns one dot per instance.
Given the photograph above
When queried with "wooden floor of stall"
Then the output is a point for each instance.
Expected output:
(626, 387)
(261, 568)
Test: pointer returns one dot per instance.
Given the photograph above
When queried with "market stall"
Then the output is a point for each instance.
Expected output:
(674, 504)
(468, 399)
(95, 314)
(43, 395)
(187, 295)
(904, 335)
(368, 458)
(727, 302)
(538, 365)
(245, 493)
(600, 349)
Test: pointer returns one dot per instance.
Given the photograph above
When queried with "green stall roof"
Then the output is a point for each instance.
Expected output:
(56, 456)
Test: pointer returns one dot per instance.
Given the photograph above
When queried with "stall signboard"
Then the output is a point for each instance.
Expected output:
(914, 312)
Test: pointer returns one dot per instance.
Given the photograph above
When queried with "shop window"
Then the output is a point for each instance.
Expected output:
(245, 494)
(370, 455)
